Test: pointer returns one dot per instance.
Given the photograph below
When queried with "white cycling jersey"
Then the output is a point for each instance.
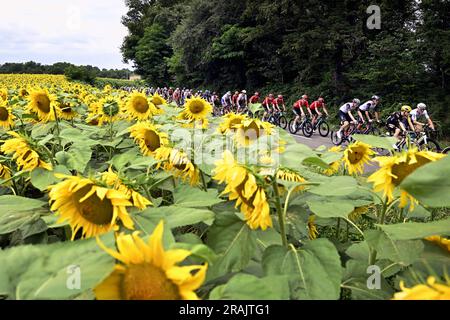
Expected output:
(346, 108)
(417, 113)
(368, 106)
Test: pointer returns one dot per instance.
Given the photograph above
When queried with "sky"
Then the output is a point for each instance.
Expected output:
(82, 32)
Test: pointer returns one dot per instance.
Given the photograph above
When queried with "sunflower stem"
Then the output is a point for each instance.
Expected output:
(58, 130)
(205, 186)
(281, 216)
(338, 228)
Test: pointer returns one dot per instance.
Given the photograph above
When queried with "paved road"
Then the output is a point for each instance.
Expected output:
(315, 141)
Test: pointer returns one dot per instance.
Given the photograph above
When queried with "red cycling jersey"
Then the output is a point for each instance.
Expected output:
(316, 105)
(268, 101)
(234, 98)
(278, 101)
(301, 103)
(254, 99)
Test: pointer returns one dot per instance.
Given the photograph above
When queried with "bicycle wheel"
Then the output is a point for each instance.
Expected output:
(431, 145)
(293, 127)
(324, 129)
(282, 122)
(446, 150)
(308, 129)
(335, 139)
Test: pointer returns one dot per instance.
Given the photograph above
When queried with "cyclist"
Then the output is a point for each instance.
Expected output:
(367, 108)
(279, 101)
(417, 113)
(268, 102)
(227, 101)
(398, 122)
(298, 108)
(314, 111)
(242, 101)
(234, 99)
(346, 116)
(255, 98)
(177, 96)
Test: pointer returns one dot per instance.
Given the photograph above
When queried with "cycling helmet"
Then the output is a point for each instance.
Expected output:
(305, 97)
(244, 91)
(229, 93)
(256, 93)
(406, 109)
(422, 106)
(356, 101)
(270, 95)
(280, 96)
(375, 98)
(321, 100)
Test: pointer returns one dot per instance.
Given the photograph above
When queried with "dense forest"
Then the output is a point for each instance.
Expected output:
(32, 67)
(296, 46)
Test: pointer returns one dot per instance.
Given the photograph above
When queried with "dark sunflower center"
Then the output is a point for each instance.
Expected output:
(147, 282)
(196, 107)
(152, 140)
(23, 92)
(43, 103)
(402, 170)
(66, 108)
(93, 209)
(4, 114)
(355, 156)
(140, 104)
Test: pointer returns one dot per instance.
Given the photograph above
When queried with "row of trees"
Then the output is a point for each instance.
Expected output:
(291, 46)
(32, 67)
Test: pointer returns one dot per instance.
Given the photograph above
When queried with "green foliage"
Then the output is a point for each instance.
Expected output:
(293, 47)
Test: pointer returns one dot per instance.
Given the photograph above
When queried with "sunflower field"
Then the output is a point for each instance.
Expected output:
(106, 194)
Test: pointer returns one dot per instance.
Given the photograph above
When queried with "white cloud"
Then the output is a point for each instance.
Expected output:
(77, 31)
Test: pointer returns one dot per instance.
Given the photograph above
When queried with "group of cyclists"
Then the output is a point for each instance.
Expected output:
(354, 113)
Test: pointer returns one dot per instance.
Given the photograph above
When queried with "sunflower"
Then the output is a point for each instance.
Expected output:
(242, 186)
(230, 121)
(356, 156)
(312, 229)
(358, 212)
(393, 170)
(148, 137)
(177, 161)
(157, 100)
(6, 116)
(148, 272)
(191, 123)
(250, 130)
(291, 176)
(197, 109)
(5, 173)
(66, 111)
(139, 107)
(114, 181)
(41, 102)
(88, 206)
(23, 92)
(430, 291)
(3, 94)
(107, 110)
(26, 158)
(440, 241)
